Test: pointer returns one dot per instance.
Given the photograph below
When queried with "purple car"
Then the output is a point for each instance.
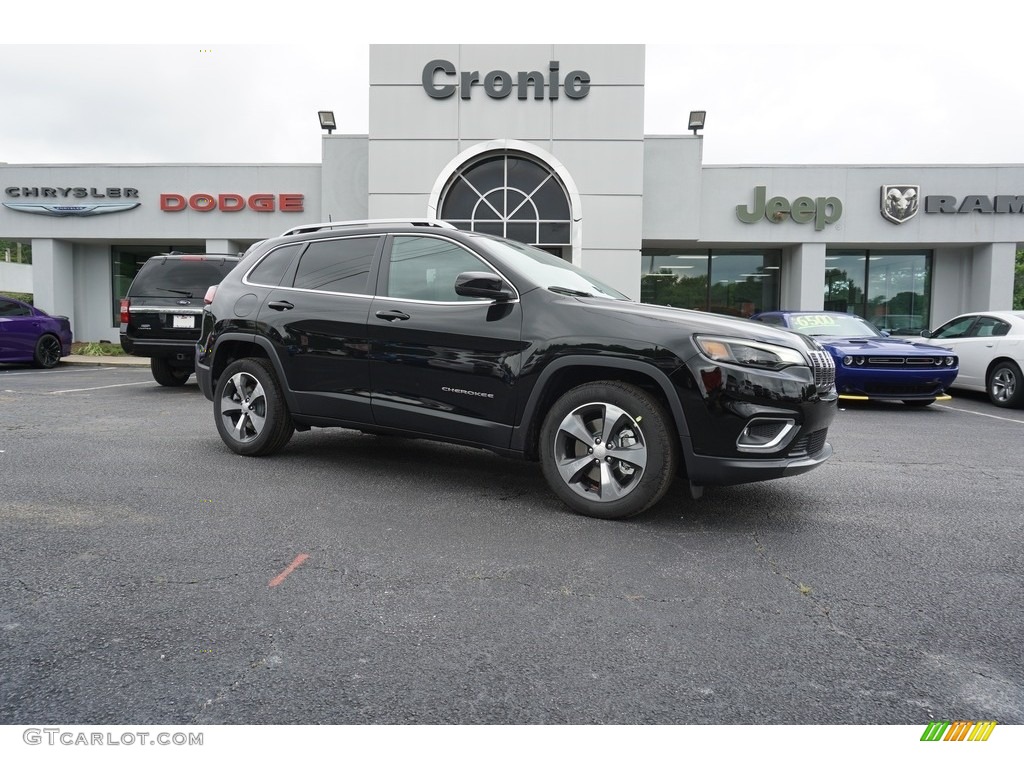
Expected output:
(29, 335)
(871, 365)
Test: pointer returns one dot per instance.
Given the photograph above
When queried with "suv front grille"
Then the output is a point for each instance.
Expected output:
(824, 369)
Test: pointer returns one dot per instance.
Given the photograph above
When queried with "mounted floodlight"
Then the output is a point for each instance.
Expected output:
(328, 124)
(697, 121)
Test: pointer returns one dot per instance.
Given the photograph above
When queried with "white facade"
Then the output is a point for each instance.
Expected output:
(581, 117)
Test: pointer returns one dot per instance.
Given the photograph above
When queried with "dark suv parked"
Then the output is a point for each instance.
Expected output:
(421, 329)
(160, 316)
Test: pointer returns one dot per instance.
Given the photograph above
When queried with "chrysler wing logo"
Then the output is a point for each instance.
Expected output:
(900, 201)
(60, 209)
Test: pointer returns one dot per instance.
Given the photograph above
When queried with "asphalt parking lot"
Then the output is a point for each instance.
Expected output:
(152, 576)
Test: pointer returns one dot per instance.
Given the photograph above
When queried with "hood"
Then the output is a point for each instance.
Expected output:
(884, 346)
(660, 324)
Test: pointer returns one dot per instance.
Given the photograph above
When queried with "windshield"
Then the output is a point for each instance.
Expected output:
(832, 325)
(549, 271)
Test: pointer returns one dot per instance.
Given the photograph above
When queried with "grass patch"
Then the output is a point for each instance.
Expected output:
(96, 349)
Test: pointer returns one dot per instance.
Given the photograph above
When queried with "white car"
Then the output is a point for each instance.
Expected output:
(990, 346)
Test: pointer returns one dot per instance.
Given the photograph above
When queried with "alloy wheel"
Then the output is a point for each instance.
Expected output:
(600, 452)
(1003, 385)
(243, 407)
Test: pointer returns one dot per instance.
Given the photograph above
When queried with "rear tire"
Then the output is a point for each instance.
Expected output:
(167, 375)
(47, 351)
(252, 417)
(608, 450)
(1005, 386)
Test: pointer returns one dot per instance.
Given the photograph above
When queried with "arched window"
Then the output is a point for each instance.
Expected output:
(510, 195)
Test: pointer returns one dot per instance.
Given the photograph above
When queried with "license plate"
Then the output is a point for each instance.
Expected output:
(184, 321)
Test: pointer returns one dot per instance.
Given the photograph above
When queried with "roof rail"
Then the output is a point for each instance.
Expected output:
(365, 223)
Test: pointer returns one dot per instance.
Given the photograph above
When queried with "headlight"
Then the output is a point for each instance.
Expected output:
(950, 360)
(847, 360)
(754, 354)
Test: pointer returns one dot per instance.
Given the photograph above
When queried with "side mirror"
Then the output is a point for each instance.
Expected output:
(482, 285)
(926, 333)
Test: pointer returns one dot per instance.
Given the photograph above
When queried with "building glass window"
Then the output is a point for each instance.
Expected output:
(15, 252)
(890, 289)
(510, 195)
(727, 282)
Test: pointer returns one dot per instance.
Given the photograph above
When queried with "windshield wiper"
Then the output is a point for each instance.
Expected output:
(187, 294)
(568, 291)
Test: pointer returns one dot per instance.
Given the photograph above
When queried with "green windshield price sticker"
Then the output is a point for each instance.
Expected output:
(812, 321)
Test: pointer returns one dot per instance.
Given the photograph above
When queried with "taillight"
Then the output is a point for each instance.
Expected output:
(125, 303)
(210, 293)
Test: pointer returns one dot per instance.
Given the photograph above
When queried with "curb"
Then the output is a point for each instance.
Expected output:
(104, 360)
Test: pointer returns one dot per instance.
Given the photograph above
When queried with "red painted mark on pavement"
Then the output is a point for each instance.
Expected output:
(284, 574)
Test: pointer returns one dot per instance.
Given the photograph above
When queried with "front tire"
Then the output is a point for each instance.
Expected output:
(166, 375)
(47, 351)
(1005, 386)
(608, 450)
(252, 417)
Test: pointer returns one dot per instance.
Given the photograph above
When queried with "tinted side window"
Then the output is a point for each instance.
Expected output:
(273, 266)
(13, 309)
(425, 268)
(341, 266)
(990, 326)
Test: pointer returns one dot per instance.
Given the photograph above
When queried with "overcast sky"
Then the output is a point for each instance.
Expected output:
(240, 82)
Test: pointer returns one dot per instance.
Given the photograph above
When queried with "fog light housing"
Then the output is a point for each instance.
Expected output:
(766, 435)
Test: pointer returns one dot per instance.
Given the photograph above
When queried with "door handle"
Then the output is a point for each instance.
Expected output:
(392, 314)
(280, 305)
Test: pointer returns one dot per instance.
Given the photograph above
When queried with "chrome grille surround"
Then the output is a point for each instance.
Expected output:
(824, 369)
(898, 362)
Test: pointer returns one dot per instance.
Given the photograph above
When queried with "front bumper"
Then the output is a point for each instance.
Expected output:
(892, 385)
(745, 425)
(718, 470)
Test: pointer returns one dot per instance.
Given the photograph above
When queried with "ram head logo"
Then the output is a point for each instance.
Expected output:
(900, 201)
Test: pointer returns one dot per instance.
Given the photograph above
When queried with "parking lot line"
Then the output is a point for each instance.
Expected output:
(105, 386)
(979, 413)
(75, 369)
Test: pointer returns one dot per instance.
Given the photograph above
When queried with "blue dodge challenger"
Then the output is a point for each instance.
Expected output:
(871, 365)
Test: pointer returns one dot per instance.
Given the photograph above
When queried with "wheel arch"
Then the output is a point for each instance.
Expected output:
(566, 373)
(996, 361)
(236, 346)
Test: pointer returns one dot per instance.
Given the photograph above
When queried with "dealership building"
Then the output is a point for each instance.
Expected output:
(544, 144)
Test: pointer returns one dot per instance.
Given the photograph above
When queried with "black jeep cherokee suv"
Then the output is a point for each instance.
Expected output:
(420, 329)
(160, 315)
